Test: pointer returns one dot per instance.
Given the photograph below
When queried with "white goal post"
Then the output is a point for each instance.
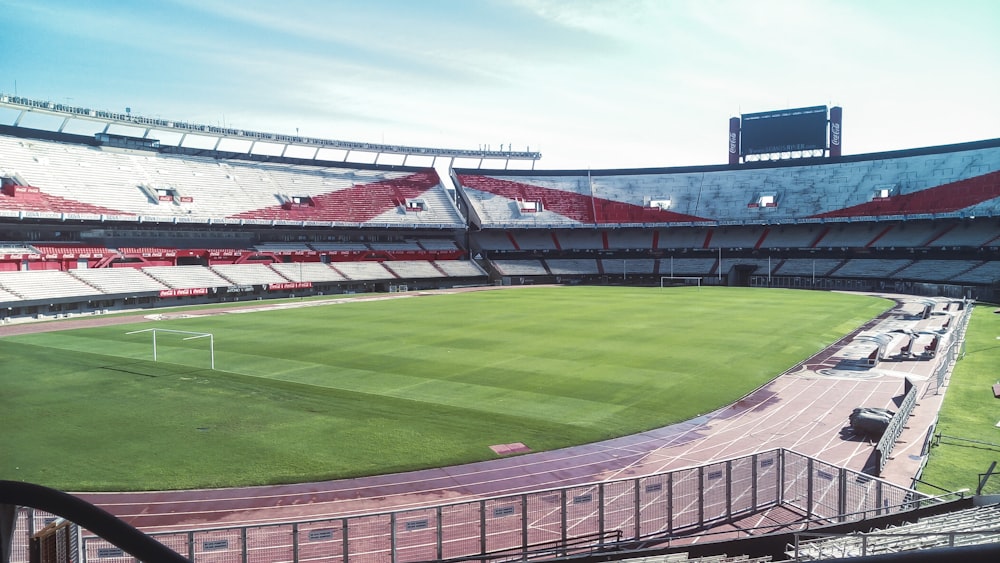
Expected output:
(194, 336)
(666, 281)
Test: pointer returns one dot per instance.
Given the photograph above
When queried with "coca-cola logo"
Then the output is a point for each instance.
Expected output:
(835, 134)
(732, 142)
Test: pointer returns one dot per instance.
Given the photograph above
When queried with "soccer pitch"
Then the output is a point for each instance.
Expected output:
(367, 387)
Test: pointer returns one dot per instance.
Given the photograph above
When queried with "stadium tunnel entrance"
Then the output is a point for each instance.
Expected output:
(739, 275)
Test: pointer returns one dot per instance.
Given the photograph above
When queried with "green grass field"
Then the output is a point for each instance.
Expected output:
(970, 412)
(370, 387)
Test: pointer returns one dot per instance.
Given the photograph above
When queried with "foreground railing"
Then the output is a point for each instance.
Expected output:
(672, 504)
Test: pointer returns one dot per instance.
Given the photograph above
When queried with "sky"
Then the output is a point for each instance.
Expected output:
(588, 83)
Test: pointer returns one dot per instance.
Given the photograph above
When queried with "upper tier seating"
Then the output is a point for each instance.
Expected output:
(984, 232)
(89, 182)
(620, 239)
(72, 249)
(340, 246)
(437, 244)
(535, 240)
(16, 248)
(853, 235)
(962, 182)
(684, 238)
(792, 236)
(493, 240)
(580, 240)
(280, 247)
(406, 245)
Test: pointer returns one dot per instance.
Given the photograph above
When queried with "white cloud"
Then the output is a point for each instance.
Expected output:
(590, 83)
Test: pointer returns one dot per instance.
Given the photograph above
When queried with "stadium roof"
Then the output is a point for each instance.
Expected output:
(150, 124)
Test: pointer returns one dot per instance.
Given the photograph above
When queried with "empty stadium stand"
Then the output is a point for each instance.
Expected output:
(44, 285)
(919, 220)
(959, 181)
(248, 274)
(971, 526)
(186, 277)
(112, 281)
(88, 182)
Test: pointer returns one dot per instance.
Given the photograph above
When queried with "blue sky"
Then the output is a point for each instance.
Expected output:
(590, 84)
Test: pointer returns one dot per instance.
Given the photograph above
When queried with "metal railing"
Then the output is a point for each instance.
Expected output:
(672, 504)
(895, 427)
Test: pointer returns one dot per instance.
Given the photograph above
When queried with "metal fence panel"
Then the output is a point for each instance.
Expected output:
(22, 532)
(369, 539)
(544, 517)
(268, 544)
(742, 486)
(672, 503)
(583, 510)
(826, 490)
(715, 492)
(767, 490)
(460, 530)
(321, 541)
(219, 546)
(179, 542)
(686, 499)
(97, 550)
(620, 507)
(416, 535)
(795, 475)
(859, 495)
(893, 496)
(504, 519)
(655, 510)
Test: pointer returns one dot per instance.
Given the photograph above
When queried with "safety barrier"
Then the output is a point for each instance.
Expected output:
(662, 506)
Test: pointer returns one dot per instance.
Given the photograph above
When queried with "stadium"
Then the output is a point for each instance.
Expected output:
(125, 231)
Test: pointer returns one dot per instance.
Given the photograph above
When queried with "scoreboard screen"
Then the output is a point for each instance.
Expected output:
(788, 130)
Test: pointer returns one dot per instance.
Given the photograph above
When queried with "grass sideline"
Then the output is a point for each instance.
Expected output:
(969, 411)
(361, 388)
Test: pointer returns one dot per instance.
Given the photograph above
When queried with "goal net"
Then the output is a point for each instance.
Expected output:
(172, 346)
(672, 281)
